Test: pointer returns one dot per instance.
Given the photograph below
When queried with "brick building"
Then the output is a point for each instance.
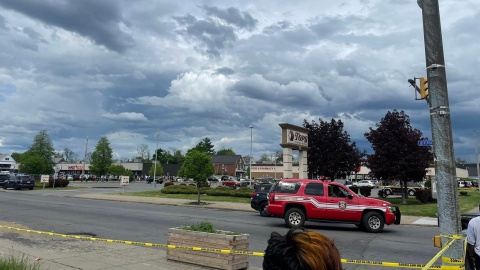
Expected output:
(233, 165)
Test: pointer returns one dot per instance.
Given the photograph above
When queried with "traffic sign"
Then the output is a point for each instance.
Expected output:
(425, 143)
(44, 178)
(124, 180)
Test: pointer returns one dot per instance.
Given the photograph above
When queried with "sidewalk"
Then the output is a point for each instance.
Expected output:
(59, 253)
(406, 220)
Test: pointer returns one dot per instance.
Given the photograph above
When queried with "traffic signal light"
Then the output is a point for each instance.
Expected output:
(423, 87)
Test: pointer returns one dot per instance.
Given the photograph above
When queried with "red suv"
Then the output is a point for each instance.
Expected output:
(298, 200)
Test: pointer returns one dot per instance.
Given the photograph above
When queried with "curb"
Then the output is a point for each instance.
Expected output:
(185, 203)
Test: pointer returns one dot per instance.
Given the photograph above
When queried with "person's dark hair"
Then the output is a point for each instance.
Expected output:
(301, 250)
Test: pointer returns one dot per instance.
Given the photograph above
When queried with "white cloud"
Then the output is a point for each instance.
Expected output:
(126, 116)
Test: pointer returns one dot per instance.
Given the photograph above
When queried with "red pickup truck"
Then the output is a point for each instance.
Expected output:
(298, 200)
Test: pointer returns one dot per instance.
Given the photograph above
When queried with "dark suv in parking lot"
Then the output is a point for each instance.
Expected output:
(259, 199)
(4, 177)
(19, 182)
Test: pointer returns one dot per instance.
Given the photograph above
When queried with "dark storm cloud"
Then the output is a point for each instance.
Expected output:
(26, 44)
(98, 20)
(2, 22)
(225, 71)
(233, 16)
(213, 36)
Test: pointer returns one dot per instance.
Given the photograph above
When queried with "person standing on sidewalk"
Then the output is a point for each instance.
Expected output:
(473, 241)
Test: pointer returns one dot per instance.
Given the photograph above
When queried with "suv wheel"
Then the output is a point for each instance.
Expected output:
(263, 210)
(4, 186)
(388, 192)
(373, 222)
(411, 192)
(295, 218)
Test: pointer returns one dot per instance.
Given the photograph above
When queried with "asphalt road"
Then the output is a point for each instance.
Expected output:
(150, 223)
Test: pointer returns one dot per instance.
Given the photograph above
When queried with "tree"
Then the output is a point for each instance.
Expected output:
(264, 157)
(68, 155)
(143, 152)
(101, 157)
(397, 154)
(331, 150)
(460, 160)
(199, 167)
(204, 146)
(17, 157)
(159, 170)
(129, 173)
(32, 164)
(42, 146)
(164, 157)
(226, 152)
(178, 156)
(116, 170)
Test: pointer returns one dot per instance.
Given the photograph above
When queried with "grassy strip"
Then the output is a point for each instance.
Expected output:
(39, 185)
(415, 208)
(17, 263)
(157, 194)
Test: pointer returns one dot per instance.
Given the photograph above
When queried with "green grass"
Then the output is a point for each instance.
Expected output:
(17, 263)
(39, 185)
(157, 194)
(415, 208)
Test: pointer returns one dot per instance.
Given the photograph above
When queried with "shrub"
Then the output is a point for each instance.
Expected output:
(182, 184)
(204, 185)
(200, 227)
(382, 194)
(192, 185)
(428, 183)
(168, 184)
(366, 191)
(463, 193)
(58, 182)
(424, 195)
(178, 189)
(354, 189)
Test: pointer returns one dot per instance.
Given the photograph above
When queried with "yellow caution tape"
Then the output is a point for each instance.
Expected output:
(388, 264)
(453, 261)
(452, 236)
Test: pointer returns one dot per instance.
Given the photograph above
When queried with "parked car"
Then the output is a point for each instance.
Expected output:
(366, 183)
(396, 188)
(230, 181)
(344, 182)
(465, 184)
(70, 177)
(259, 199)
(19, 182)
(298, 200)
(4, 177)
(213, 179)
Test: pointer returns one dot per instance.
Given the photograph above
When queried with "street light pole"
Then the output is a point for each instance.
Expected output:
(275, 163)
(476, 153)
(250, 161)
(156, 155)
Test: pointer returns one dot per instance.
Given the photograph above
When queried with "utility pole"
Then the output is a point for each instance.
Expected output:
(448, 205)
(156, 154)
(251, 143)
(476, 153)
(84, 158)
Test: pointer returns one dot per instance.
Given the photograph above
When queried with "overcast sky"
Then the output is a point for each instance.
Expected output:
(194, 69)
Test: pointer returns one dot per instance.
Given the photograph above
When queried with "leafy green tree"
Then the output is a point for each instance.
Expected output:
(42, 146)
(130, 175)
(101, 157)
(199, 167)
(226, 151)
(331, 150)
(205, 146)
(116, 170)
(178, 156)
(17, 157)
(164, 156)
(32, 164)
(264, 157)
(158, 172)
(397, 154)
